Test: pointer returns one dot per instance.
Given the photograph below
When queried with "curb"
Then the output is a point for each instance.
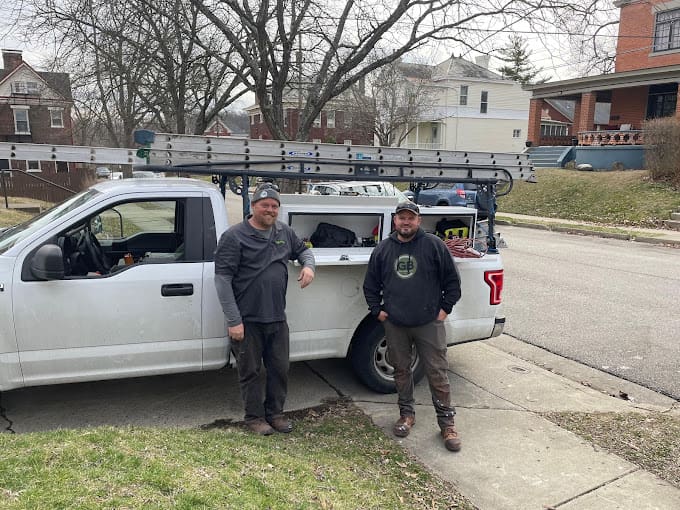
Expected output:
(672, 243)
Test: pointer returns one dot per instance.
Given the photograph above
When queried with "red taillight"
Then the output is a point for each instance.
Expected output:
(461, 192)
(494, 279)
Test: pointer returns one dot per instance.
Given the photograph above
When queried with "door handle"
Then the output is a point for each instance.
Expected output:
(177, 289)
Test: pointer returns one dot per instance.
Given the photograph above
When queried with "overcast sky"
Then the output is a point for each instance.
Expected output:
(556, 61)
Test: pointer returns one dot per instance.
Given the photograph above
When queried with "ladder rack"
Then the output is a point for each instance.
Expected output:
(69, 153)
(286, 159)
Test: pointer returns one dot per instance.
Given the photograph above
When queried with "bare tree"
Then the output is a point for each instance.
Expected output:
(345, 41)
(586, 41)
(398, 96)
(133, 65)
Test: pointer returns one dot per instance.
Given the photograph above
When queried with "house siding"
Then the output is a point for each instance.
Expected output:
(635, 47)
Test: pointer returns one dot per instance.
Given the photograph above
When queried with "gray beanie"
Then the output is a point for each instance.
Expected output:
(265, 191)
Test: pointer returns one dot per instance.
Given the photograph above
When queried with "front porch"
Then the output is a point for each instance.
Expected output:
(630, 97)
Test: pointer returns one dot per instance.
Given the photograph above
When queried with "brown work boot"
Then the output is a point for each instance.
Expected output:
(260, 426)
(281, 424)
(451, 439)
(403, 425)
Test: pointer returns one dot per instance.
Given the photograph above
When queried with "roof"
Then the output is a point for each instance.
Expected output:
(571, 89)
(168, 184)
(419, 71)
(566, 108)
(60, 82)
(456, 67)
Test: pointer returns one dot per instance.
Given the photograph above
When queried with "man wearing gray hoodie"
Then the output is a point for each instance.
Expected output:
(411, 286)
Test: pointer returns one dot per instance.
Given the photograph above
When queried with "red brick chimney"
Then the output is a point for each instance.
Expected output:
(11, 59)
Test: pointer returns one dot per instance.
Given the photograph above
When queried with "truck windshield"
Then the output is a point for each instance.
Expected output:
(13, 235)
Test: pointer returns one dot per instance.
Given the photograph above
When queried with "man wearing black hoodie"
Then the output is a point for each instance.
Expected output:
(411, 286)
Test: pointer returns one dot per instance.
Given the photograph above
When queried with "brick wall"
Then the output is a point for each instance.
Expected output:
(534, 128)
(630, 106)
(634, 49)
(325, 134)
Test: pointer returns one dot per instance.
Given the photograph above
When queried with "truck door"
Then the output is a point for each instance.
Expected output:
(130, 304)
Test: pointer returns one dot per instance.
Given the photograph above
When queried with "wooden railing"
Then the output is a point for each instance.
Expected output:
(611, 137)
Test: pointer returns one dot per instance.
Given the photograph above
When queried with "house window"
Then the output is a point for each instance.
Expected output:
(317, 121)
(484, 104)
(462, 97)
(662, 100)
(21, 124)
(4, 168)
(667, 30)
(554, 130)
(57, 117)
(33, 166)
(24, 88)
(62, 167)
(516, 133)
(330, 119)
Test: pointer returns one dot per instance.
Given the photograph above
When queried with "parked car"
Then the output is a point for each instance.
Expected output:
(146, 174)
(357, 188)
(459, 194)
(102, 172)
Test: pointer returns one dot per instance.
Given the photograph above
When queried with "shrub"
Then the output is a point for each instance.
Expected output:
(662, 152)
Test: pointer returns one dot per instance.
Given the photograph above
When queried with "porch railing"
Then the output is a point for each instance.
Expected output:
(611, 137)
(432, 145)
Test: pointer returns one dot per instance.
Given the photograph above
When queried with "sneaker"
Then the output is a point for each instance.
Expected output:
(403, 425)
(281, 424)
(260, 427)
(451, 439)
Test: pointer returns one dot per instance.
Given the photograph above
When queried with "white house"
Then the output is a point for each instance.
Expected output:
(473, 109)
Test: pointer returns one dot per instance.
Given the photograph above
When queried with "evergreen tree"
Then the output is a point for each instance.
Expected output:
(519, 67)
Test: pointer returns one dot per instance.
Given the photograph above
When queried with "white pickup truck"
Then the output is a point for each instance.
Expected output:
(118, 282)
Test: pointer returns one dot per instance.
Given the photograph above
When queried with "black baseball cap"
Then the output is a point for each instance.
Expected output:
(407, 206)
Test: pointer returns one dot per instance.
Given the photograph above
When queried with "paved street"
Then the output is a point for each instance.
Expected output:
(610, 304)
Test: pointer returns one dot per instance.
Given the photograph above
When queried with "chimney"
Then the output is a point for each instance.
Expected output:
(483, 61)
(11, 59)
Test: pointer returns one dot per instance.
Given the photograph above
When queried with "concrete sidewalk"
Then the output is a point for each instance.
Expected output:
(643, 235)
(512, 457)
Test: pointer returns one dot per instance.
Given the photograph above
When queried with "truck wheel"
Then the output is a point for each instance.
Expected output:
(442, 202)
(370, 362)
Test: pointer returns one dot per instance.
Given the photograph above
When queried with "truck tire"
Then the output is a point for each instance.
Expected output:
(369, 359)
(442, 202)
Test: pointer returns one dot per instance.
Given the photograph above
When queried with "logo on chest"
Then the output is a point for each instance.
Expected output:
(405, 266)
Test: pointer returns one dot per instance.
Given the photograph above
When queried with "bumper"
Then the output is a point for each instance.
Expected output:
(498, 327)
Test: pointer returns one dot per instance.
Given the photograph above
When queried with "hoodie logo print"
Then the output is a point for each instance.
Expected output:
(405, 266)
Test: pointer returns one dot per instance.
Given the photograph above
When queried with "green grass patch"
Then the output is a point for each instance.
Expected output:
(9, 217)
(625, 198)
(335, 458)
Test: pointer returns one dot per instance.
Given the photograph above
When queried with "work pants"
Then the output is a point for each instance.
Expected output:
(430, 343)
(262, 359)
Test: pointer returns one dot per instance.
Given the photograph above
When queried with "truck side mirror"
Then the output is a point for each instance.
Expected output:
(48, 263)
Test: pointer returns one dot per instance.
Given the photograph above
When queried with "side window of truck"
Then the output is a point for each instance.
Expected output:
(125, 220)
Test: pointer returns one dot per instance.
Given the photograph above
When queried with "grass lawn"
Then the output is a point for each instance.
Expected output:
(612, 198)
(334, 459)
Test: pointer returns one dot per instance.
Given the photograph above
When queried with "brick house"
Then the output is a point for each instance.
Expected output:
(643, 86)
(335, 124)
(35, 107)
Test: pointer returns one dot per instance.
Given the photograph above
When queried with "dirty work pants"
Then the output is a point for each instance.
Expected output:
(430, 343)
(262, 362)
